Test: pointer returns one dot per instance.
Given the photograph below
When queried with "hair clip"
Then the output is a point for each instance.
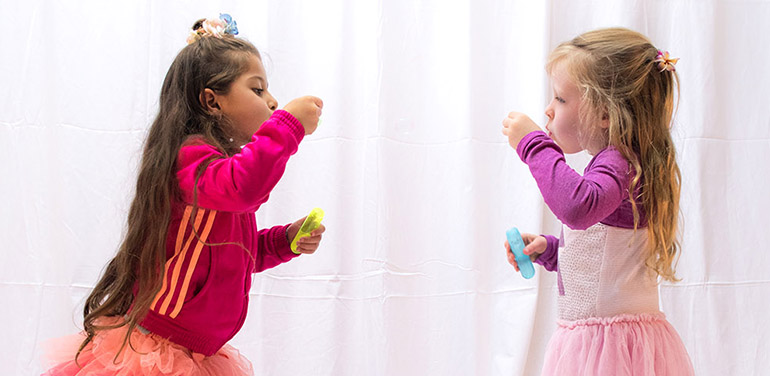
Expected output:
(213, 28)
(665, 63)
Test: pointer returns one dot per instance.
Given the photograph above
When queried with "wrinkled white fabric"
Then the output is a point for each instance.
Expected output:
(418, 183)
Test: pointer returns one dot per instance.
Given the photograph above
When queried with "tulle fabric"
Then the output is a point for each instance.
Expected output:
(638, 345)
(152, 355)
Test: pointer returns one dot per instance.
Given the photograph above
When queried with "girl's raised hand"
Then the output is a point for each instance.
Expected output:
(307, 110)
(534, 245)
(307, 244)
(516, 126)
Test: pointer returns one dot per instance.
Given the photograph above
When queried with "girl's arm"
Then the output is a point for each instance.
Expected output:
(578, 201)
(549, 258)
(273, 245)
(243, 182)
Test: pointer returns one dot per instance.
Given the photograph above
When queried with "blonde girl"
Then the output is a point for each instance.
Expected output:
(614, 95)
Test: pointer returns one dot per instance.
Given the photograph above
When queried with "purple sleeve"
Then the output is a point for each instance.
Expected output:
(549, 258)
(243, 182)
(577, 201)
(273, 248)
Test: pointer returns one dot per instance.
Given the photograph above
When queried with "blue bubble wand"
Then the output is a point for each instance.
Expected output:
(517, 247)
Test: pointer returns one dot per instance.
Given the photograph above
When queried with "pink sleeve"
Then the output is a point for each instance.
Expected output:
(578, 201)
(243, 182)
(274, 248)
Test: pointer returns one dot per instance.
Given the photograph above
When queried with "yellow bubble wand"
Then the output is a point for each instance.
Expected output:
(311, 223)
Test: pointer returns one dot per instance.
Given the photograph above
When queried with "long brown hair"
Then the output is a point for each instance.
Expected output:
(134, 276)
(616, 72)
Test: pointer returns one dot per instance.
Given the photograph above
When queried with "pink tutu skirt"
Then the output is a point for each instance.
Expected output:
(151, 355)
(640, 345)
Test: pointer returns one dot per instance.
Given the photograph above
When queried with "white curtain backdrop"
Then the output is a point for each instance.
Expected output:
(418, 183)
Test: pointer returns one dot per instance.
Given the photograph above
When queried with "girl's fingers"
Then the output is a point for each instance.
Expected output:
(309, 244)
(510, 256)
(312, 239)
(320, 230)
(307, 248)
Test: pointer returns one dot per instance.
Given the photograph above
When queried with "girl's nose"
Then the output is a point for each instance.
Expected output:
(272, 103)
(549, 112)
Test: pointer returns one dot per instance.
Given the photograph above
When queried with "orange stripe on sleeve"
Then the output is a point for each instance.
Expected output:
(180, 261)
(179, 238)
(193, 262)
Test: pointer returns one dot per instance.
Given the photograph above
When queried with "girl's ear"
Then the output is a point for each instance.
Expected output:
(209, 101)
(605, 122)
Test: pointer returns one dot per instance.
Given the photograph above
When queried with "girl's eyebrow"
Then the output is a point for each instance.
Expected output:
(257, 77)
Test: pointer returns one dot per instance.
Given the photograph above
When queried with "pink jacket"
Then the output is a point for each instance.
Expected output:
(203, 301)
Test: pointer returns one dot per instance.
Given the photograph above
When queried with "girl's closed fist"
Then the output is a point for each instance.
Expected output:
(307, 244)
(516, 126)
(307, 110)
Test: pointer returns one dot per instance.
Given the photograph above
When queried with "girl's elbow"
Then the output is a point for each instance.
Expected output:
(576, 220)
(248, 200)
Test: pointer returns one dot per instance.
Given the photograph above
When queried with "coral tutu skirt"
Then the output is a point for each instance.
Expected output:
(640, 345)
(151, 355)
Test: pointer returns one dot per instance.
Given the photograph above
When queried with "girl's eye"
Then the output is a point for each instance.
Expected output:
(259, 91)
(559, 99)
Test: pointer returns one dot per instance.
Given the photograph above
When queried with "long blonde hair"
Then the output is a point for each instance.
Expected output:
(616, 73)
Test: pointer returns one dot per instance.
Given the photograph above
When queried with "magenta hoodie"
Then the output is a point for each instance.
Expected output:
(203, 301)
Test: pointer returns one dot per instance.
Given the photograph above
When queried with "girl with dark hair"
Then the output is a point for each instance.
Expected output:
(177, 290)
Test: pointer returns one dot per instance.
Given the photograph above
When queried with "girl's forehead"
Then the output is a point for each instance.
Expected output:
(561, 79)
(254, 63)
(254, 68)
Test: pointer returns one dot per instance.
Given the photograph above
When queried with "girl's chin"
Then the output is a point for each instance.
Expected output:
(563, 148)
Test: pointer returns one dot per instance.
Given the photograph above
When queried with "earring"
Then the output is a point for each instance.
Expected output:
(231, 139)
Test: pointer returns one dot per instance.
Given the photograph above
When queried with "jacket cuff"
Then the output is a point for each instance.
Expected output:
(282, 243)
(291, 122)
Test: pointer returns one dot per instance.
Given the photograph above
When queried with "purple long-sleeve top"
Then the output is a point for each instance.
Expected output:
(599, 195)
